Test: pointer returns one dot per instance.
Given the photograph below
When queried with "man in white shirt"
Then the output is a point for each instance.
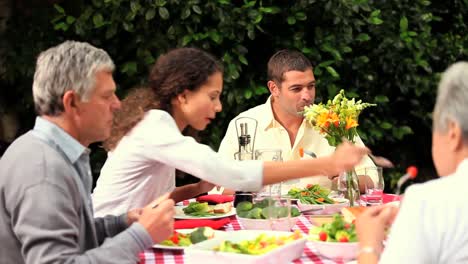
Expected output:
(280, 121)
(431, 225)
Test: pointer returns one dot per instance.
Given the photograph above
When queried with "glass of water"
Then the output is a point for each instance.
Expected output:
(374, 190)
(273, 190)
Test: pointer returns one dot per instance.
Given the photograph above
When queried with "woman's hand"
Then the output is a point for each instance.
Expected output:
(205, 186)
(372, 223)
(345, 157)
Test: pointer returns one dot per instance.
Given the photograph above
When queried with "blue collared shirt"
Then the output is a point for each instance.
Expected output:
(70, 148)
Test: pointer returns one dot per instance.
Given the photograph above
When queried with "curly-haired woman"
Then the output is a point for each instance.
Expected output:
(147, 144)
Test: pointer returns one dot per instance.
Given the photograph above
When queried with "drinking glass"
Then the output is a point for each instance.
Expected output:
(273, 190)
(374, 191)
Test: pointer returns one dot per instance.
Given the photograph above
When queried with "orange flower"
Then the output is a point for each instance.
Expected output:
(333, 117)
(350, 122)
(322, 120)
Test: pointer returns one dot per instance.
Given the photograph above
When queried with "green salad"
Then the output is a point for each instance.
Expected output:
(260, 245)
(312, 194)
(336, 231)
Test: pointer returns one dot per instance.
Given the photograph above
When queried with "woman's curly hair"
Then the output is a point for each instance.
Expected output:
(178, 70)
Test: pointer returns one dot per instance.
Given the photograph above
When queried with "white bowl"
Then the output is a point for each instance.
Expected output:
(203, 252)
(323, 209)
(337, 250)
(280, 224)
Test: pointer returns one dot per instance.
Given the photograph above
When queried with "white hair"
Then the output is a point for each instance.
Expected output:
(69, 66)
(452, 99)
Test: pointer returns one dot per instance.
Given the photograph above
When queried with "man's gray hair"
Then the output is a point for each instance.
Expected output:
(69, 66)
(452, 99)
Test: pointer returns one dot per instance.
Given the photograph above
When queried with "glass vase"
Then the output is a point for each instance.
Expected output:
(348, 185)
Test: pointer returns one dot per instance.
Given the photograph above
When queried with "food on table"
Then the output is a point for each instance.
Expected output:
(184, 240)
(260, 245)
(312, 194)
(337, 231)
(203, 209)
(351, 213)
(264, 210)
(222, 208)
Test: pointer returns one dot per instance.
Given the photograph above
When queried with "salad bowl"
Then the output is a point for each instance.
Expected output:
(205, 252)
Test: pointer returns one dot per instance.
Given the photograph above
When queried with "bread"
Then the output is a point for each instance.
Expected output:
(351, 213)
(222, 208)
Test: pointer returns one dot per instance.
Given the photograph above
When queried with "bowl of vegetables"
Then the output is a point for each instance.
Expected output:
(315, 199)
(183, 238)
(248, 247)
(266, 215)
(335, 240)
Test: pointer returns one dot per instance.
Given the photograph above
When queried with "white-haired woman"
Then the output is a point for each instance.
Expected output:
(431, 225)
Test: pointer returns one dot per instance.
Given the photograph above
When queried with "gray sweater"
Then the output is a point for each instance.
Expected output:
(44, 212)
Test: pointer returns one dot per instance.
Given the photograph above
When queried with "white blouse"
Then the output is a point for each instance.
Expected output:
(142, 166)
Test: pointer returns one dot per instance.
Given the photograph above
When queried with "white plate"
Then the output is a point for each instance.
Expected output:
(203, 252)
(323, 209)
(181, 215)
(184, 231)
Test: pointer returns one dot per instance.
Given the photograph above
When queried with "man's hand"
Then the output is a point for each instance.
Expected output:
(133, 215)
(158, 218)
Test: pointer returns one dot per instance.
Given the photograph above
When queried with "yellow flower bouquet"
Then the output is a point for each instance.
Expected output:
(337, 121)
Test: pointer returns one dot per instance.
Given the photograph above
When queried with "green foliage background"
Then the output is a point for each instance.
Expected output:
(384, 52)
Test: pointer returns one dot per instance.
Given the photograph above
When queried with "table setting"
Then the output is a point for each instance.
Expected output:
(231, 227)
(309, 224)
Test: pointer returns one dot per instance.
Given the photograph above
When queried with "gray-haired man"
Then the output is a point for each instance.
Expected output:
(45, 181)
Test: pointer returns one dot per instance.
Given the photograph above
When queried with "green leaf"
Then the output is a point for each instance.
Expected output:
(243, 60)
(386, 125)
(332, 72)
(248, 94)
(61, 26)
(258, 18)
(59, 9)
(186, 13)
(70, 20)
(160, 2)
(163, 13)
(215, 37)
(186, 40)
(197, 9)
(301, 16)
(381, 99)
(129, 68)
(403, 24)
(134, 6)
(375, 13)
(363, 37)
(98, 20)
(270, 10)
(128, 26)
(291, 20)
(375, 21)
(150, 14)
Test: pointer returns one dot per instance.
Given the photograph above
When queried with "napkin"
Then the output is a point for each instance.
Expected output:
(193, 223)
(387, 198)
(215, 198)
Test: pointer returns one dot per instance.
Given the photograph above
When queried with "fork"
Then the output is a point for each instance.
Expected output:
(381, 161)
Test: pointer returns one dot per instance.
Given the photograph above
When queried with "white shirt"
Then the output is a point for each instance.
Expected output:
(142, 166)
(271, 134)
(432, 224)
